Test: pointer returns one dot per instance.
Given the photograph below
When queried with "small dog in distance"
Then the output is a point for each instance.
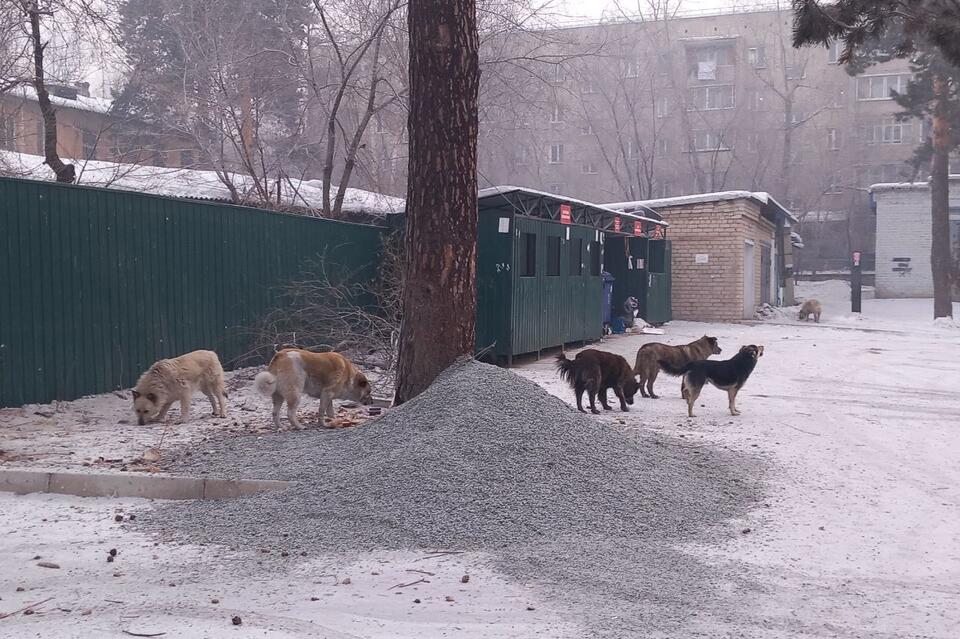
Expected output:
(811, 308)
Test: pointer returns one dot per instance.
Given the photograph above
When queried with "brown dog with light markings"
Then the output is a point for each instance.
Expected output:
(325, 376)
(653, 357)
(170, 380)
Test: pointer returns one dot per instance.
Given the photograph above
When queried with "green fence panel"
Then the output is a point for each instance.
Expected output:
(97, 284)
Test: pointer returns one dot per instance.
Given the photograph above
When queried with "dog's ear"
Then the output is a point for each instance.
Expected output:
(135, 393)
(151, 397)
(759, 351)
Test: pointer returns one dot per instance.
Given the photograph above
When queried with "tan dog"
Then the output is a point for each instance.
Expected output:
(179, 378)
(326, 376)
(811, 307)
(653, 357)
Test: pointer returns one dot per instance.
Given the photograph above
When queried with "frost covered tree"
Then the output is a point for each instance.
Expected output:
(222, 72)
(439, 298)
(925, 31)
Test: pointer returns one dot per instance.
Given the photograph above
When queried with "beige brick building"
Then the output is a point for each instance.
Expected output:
(731, 253)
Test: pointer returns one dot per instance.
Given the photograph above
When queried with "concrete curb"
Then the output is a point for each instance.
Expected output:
(21, 482)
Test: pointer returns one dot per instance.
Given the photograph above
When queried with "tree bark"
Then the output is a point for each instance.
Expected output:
(941, 261)
(65, 172)
(439, 298)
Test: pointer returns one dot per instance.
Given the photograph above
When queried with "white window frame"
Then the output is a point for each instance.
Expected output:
(662, 106)
(833, 52)
(712, 142)
(556, 154)
(757, 57)
(633, 150)
(588, 87)
(663, 146)
(833, 139)
(587, 130)
(900, 86)
(556, 113)
(632, 69)
(588, 168)
(708, 92)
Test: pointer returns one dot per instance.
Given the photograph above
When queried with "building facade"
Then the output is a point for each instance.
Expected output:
(662, 108)
(87, 129)
(904, 238)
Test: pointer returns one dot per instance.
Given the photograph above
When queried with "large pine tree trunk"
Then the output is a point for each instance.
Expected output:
(439, 299)
(940, 259)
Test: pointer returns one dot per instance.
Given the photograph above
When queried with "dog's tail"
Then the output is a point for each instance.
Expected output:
(676, 371)
(566, 368)
(265, 383)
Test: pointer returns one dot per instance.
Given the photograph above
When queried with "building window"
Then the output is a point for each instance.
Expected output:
(712, 98)
(576, 257)
(186, 158)
(559, 73)
(753, 142)
(40, 139)
(876, 174)
(663, 146)
(555, 187)
(833, 189)
(631, 69)
(556, 114)
(709, 63)
(664, 190)
(833, 52)
(594, 249)
(588, 86)
(556, 154)
(89, 139)
(754, 100)
(795, 72)
(8, 132)
(833, 139)
(633, 150)
(662, 107)
(701, 140)
(528, 255)
(757, 57)
(553, 256)
(588, 168)
(380, 126)
(797, 117)
(586, 129)
(886, 131)
(520, 156)
(879, 87)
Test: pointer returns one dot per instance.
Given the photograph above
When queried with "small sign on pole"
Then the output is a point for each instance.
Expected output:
(565, 213)
(616, 224)
(638, 228)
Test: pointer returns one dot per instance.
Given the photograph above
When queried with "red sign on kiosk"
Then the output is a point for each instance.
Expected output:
(565, 213)
(616, 224)
(638, 228)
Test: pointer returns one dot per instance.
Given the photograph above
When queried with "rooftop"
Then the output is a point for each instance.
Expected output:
(198, 185)
(761, 197)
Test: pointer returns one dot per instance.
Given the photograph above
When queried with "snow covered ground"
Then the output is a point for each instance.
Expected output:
(857, 418)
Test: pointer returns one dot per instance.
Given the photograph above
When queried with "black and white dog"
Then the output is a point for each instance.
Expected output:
(729, 375)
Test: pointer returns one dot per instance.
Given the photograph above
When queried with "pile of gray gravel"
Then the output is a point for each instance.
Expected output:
(484, 460)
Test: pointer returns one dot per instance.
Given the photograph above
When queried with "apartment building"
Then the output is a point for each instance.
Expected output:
(652, 109)
(87, 129)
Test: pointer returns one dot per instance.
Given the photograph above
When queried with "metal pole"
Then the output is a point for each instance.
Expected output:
(856, 292)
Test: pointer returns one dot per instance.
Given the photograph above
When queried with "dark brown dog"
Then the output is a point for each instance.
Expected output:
(653, 357)
(595, 371)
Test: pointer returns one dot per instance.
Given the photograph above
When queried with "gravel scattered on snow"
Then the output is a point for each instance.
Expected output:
(487, 460)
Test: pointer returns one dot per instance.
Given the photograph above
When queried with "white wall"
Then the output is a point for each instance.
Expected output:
(903, 233)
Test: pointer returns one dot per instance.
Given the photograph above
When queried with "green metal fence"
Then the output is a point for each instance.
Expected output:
(95, 285)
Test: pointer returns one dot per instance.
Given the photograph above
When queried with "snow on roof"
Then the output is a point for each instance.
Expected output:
(504, 189)
(762, 197)
(193, 184)
(82, 103)
(905, 186)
